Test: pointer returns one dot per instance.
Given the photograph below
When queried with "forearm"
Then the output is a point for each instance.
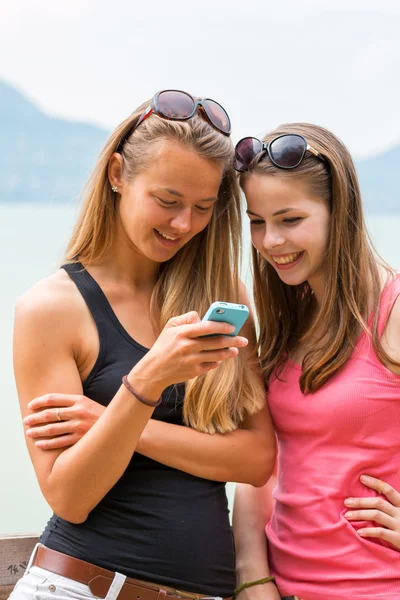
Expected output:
(252, 511)
(243, 455)
(73, 481)
(85, 472)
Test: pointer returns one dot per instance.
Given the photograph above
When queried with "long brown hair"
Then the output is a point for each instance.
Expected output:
(353, 280)
(203, 271)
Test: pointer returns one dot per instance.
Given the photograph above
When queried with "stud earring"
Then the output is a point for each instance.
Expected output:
(114, 188)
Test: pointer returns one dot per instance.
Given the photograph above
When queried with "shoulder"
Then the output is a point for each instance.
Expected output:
(51, 301)
(53, 293)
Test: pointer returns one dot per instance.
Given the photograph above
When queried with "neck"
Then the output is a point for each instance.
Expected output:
(125, 264)
(134, 271)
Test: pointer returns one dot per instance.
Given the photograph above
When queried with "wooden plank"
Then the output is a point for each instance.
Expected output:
(5, 591)
(15, 551)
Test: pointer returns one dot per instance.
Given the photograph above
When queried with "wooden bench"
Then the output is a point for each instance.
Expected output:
(15, 551)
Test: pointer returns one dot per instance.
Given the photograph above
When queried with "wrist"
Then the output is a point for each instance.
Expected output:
(257, 584)
(248, 571)
(258, 592)
(143, 379)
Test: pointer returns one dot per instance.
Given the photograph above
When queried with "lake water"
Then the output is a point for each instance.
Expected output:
(32, 239)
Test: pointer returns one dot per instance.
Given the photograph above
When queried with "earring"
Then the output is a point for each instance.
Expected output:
(114, 188)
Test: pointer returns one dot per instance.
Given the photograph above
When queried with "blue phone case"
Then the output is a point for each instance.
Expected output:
(227, 312)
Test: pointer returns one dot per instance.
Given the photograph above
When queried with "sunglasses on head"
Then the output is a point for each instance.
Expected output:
(285, 151)
(176, 105)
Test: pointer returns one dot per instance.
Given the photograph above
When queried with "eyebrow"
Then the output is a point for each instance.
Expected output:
(278, 212)
(179, 195)
(173, 192)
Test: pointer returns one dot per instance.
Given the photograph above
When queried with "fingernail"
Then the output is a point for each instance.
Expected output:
(28, 432)
(349, 501)
(26, 421)
(360, 532)
(348, 515)
(365, 479)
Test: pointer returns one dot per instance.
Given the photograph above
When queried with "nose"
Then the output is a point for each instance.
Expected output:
(273, 238)
(182, 222)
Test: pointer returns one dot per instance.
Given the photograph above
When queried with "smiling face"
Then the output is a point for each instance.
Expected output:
(164, 206)
(289, 227)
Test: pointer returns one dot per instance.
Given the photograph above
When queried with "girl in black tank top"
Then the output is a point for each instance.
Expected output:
(137, 482)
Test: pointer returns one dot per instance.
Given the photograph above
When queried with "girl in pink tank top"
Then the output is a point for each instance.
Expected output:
(329, 344)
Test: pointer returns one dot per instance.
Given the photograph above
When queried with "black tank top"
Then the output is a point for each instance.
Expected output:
(157, 523)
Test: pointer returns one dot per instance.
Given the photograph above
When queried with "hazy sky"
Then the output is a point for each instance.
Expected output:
(336, 63)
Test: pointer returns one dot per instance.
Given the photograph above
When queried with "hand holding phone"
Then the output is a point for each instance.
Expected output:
(228, 312)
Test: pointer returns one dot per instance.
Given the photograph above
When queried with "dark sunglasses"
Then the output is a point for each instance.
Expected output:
(176, 105)
(285, 151)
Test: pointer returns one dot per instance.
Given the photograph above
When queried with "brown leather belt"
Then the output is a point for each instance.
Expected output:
(99, 580)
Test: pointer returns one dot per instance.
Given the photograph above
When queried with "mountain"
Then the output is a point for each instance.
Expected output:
(47, 159)
(42, 158)
(379, 183)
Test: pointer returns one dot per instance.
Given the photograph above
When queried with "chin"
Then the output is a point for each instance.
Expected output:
(162, 257)
(292, 278)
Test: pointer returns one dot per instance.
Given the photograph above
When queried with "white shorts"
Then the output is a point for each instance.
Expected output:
(40, 584)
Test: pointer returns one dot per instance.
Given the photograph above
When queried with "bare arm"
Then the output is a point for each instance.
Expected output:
(252, 511)
(245, 455)
(75, 479)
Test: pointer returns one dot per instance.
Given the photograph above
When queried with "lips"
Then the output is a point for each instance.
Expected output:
(286, 259)
(283, 262)
(167, 236)
(167, 240)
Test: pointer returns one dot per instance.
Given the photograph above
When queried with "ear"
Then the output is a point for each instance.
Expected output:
(115, 172)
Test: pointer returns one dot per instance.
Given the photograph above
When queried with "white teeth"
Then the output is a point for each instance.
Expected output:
(285, 260)
(167, 237)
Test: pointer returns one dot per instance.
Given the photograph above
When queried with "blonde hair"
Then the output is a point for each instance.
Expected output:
(203, 271)
(353, 283)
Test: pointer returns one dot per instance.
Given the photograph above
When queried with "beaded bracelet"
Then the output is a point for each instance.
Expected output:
(142, 400)
(248, 584)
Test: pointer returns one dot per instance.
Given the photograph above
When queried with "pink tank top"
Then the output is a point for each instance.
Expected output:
(326, 441)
